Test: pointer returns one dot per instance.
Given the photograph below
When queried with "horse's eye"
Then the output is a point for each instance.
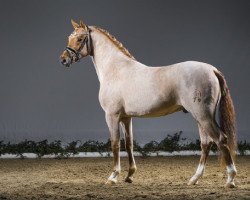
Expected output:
(79, 39)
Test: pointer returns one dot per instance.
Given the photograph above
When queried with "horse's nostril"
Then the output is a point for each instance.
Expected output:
(63, 61)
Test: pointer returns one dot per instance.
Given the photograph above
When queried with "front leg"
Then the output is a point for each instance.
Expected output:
(113, 125)
(126, 125)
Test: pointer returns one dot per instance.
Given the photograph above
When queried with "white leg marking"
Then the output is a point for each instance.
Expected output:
(231, 170)
(198, 174)
(113, 177)
(200, 170)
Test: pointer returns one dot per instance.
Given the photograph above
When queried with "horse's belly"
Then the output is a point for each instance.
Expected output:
(146, 108)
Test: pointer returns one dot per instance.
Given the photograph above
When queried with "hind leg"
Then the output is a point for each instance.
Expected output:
(211, 128)
(206, 143)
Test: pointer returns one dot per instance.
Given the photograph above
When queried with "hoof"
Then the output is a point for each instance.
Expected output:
(129, 180)
(111, 181)
(230, 185)
(193, 181)
(113, 178)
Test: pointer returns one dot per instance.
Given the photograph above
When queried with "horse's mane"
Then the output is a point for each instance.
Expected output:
(115, 42)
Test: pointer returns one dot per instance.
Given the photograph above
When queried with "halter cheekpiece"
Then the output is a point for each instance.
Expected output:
(77, 53)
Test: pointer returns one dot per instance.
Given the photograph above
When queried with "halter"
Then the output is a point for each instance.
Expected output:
(77, 53)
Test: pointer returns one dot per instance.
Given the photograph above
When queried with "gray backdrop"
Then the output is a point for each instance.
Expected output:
(41, 99)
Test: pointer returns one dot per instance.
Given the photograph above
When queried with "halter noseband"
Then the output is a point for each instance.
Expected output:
(77, 53)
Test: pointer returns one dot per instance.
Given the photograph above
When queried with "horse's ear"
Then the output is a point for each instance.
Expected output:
(74, 24)
(82, 24)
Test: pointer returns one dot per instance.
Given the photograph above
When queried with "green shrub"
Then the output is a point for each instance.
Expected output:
(171, 143)
(72, 147)
(243, 147)
(41, 148)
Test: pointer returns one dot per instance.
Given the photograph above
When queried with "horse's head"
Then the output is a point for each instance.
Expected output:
(79, 44)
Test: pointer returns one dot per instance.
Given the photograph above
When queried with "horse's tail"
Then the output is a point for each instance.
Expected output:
(227, 115)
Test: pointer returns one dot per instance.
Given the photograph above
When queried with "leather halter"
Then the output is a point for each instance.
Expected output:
(72, 53)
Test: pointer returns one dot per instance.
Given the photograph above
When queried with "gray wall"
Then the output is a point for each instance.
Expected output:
(41, 99)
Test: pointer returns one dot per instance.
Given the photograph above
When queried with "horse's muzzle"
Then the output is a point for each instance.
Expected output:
(65, 62)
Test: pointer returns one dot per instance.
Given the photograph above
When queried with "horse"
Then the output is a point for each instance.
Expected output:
(130, 89)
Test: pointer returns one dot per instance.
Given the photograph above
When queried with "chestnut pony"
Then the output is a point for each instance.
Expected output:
(130, 89)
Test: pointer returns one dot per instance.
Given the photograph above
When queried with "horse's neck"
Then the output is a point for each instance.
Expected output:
(108, 59)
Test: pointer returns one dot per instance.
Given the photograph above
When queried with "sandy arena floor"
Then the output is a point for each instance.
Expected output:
(84, 178)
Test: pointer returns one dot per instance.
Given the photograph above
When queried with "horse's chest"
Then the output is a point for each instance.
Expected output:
(110, 99)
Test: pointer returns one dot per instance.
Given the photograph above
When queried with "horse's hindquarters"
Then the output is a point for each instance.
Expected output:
(199, 91)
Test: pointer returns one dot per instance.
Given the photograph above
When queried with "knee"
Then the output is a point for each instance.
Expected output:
(205, 147)
(128, 143)
(129, 146)
(115, 144)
